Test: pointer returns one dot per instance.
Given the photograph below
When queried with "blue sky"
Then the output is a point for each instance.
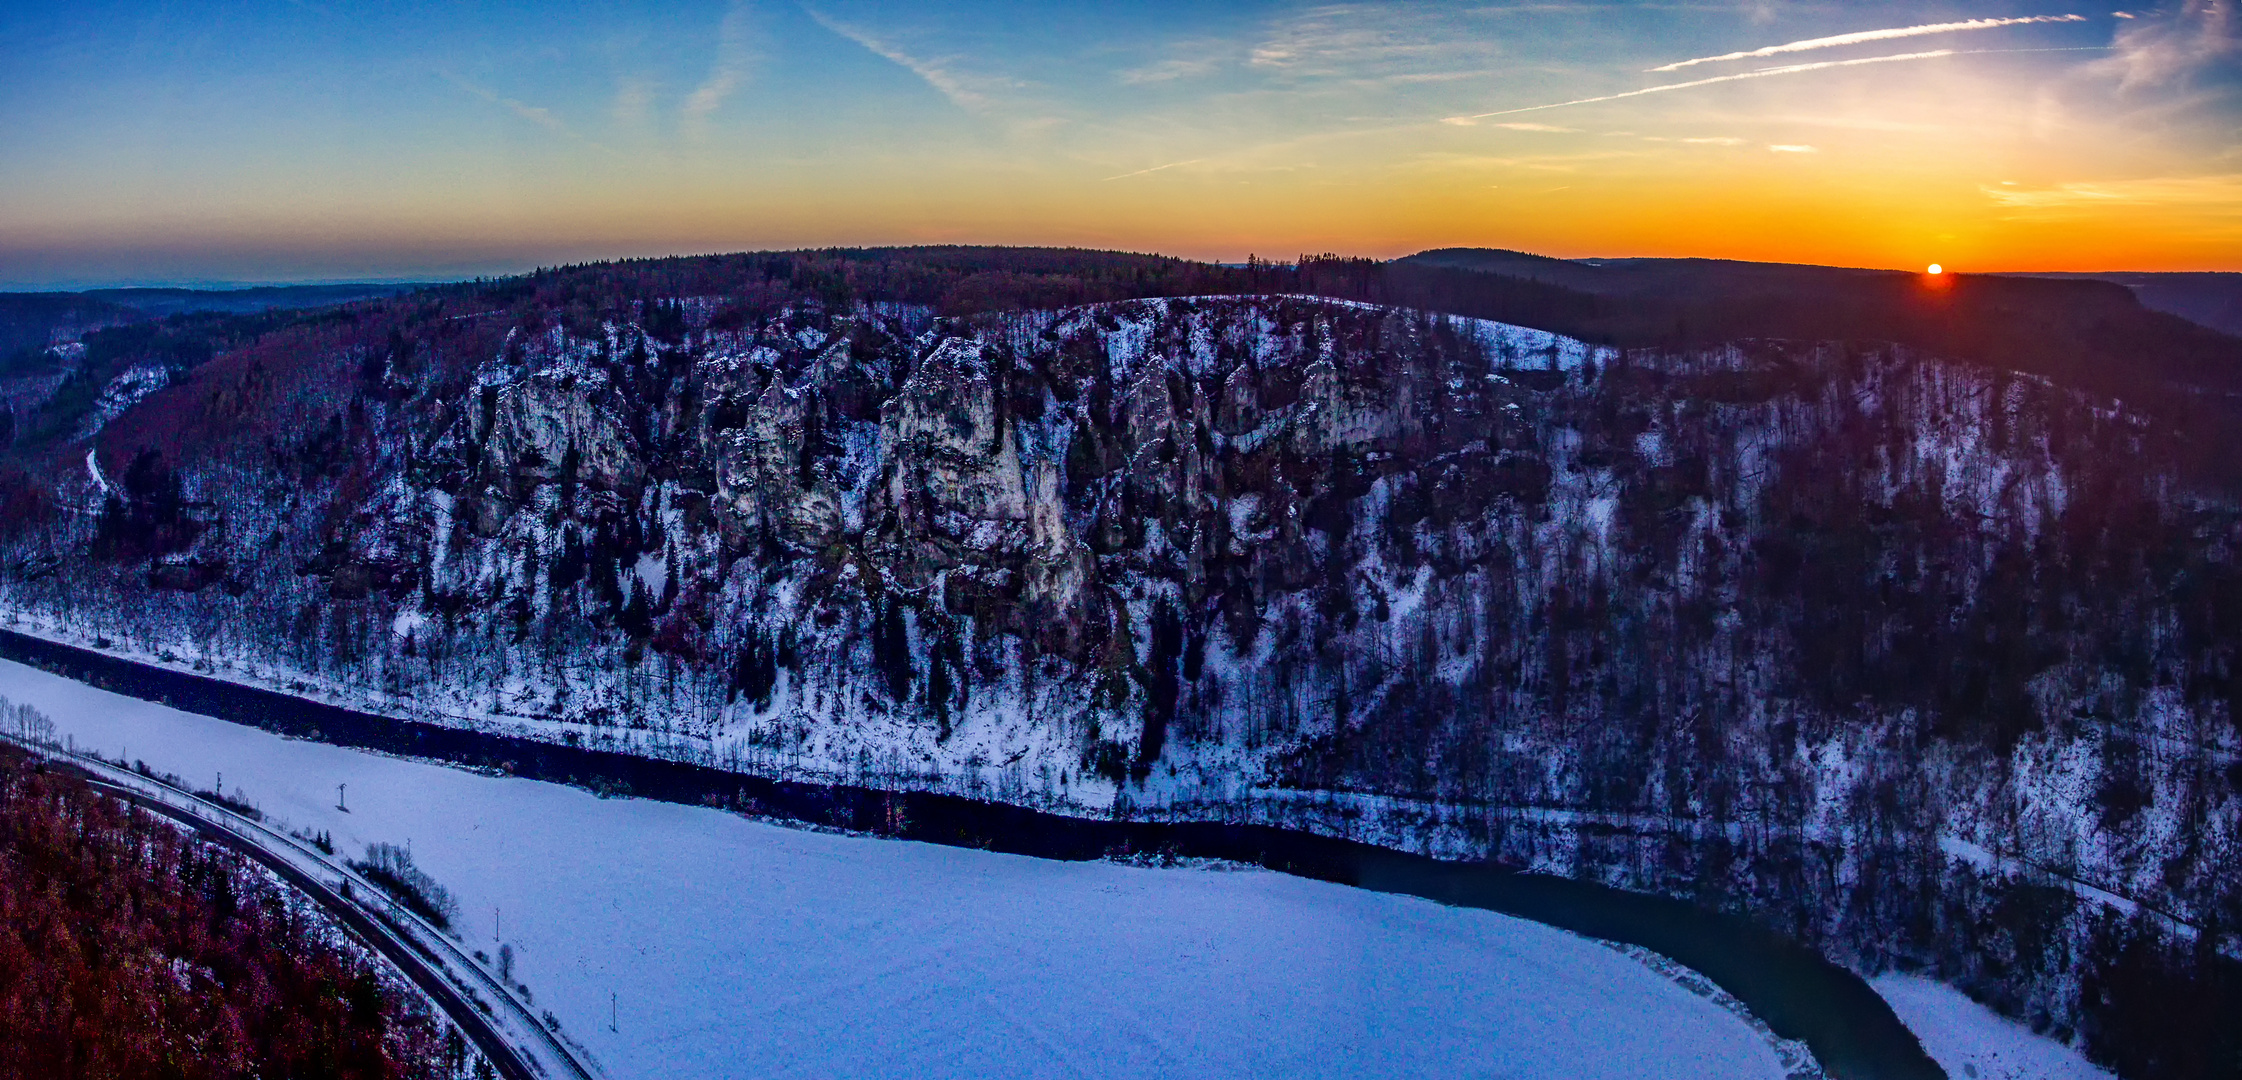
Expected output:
(316, 140)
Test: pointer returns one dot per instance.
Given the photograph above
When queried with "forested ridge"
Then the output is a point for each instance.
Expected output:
(131, 948)
(1903, 619)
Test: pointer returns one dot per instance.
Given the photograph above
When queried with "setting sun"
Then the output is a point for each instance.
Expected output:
(1936, 269)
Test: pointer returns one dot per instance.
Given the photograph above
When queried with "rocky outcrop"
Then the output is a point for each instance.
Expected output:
(952, 487)
(561, 425)
(771, 475)
(1781, 625)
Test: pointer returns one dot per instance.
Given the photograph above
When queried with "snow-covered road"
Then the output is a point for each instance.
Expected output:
(736, 948)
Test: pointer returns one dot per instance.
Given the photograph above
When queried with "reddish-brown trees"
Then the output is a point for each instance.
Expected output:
(131, 949)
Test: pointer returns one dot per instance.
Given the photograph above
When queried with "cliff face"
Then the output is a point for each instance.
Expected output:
(1932, 663)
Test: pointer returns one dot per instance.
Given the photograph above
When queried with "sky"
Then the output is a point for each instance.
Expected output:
(204, 141)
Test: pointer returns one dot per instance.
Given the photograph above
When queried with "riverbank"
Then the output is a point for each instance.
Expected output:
(1799, 994)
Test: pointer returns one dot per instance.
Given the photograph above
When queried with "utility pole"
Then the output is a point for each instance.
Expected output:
(494, 923)
(611, 1011)
(339, 798)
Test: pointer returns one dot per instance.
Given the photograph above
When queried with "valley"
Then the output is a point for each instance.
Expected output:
(1921, 659)
(678, 941)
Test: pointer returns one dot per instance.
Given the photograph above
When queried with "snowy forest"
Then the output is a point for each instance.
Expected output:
(1881, 627)
(133, 948)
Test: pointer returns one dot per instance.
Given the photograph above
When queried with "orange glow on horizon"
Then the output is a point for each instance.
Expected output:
(1636, 208)
(1195, 132)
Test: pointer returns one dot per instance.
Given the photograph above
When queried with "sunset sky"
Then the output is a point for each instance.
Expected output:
(333, 139)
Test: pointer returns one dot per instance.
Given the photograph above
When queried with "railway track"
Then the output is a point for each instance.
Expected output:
(501, 1027)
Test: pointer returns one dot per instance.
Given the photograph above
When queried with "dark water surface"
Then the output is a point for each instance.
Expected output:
(1801, 995)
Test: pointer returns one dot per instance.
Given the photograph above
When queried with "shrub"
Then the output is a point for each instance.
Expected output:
(391, 867)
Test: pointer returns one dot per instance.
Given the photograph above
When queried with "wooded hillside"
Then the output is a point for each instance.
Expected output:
(131, 949)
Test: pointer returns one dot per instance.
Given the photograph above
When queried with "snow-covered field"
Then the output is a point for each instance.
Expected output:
(1972, 1042)
(736, 948)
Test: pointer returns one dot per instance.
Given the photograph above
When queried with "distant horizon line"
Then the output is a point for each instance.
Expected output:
(223, 285)
(453, 276)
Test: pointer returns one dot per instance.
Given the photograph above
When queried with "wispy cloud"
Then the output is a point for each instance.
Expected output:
(634, 101)
(1514, 125)
(1793, 148)
(735, 57)
(1689, 140)
(1556, 163)
(1373, 41)
(1155, 168)
(1170, 70)
(535, 114)
(2161, 48)
(1763, 73)
(970, 92)
(1864, 36)
(2217, 193)
(1188, 59)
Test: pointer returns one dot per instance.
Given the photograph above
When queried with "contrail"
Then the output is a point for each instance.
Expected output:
(1788, 69)
(1859, 37)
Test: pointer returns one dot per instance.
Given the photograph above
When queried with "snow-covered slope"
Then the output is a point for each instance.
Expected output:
(735, 948)
(1929, 663)
(1973, 1042)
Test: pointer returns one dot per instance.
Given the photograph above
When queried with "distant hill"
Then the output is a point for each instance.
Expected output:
(2212, 300)
(30, 320)
(2208, 299)
(161, 302)
(2098, 330)
(1635, 277)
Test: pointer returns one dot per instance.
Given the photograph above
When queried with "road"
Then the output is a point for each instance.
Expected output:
(502, 1028)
